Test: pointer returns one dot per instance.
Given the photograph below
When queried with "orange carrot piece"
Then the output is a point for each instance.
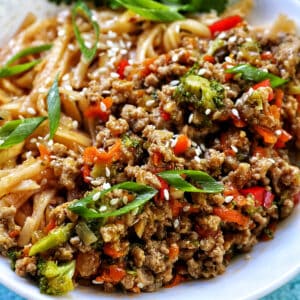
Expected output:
(279, 94)
(50, 226)
(176, 281)
(44, 152)
(231, 215)
(173, 251)
(111, 251)
(182, 144)
(267, 134)
(14, 233)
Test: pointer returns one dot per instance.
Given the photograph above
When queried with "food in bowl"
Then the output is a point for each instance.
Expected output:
(137, 155)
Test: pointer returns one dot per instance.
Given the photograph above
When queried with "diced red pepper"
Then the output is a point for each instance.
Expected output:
(160, 197)
(50, 226)
(282, 139)
(182, 144)
(267, 55)
(14, 233)
(225, 24)
(209, 58)
(265, 83)
(121, 68)
(96, 110)
(113, 274)
(166, 116)
(173, 251)
(279, 94)
(267, 134)
(86, 172)
(110, 250)
(261, 195)
(231, 215)
(176, 207)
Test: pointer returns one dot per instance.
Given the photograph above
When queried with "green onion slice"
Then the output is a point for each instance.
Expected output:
(85, 206)
(207, 183)
(82, 9)
(15, 132)
(251, 73)
(53, 103)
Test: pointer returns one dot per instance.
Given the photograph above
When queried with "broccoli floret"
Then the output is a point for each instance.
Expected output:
(54, 239)
(130, 141)
(54, 279)
(13, 255)
(200, 92)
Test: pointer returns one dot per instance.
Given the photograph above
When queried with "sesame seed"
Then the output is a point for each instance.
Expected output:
(50, 143)
(97, 282)
(107, 172)
(166, 194)
(94, 181)
(278, 132)
(102, 208)
(123, 51)
(42, 90)
(222, 35)
(106, 186)
(28, 154)
(232, 39)
(66, 77)
(114, 201)
(234, 148)
(125, 199)
(103, 107)
(140, 285)
(114, 75)
(75, 124)
(207, 111)
(186, 208)
(2, 142)
(111, 34)
(71, 47)
(235, 112)
(201, 72)
(68, 87)
(173, 142)
(202, 146)
(228, 199)
(106, 92)
(190, 120)
(176, 223)
(135, 211)
(96, 196)
(174, 82)
(198, 151)
(31, 111)
(197, 159)
(175, 57)
(271, 160)
(88, 44)
(228, 59)
(150, 102)
(33, 140)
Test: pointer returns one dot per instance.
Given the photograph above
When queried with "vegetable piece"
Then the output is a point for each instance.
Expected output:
(55, 279)
(85, 233)
(261, 195)
(283, 139)
(54, 239)
(279, 94)
(231, 215)
(225, 24)
(143, 194)
(92, 155)
(13, 255)
(16, 131)
(265, 84)
(207, 183)
(99, 110)
(251, 73)
(44, 152)
(176, 207)
(113, 274)
(28, 51)
(50, 226)
(182, 144)
(267, 134)
(165, 115)
(200, 92)
(121, 68)
(176, 281)
(160, 197)
(53, 104)
(173, 251)
(110, 250)
(80, 8)
(152, 10)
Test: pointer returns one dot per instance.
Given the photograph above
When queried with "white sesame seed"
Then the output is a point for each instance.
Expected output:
(96, 196)
(166, 194)
(68, 87)
(97, 282)
(234, 148)
(2, 142)
(106, 92)
(150, 102)
(114, 75)
(271, 160)
(107, 172)
(186, 208)
(28, 154)
(31, 111)
(95, 182)
(123, 51)
(42, 90)
(228, 199)
(198, 151)
(71, 47)
(175, 57)
(222, 35)
(140, 285)
(201, 72)
(111, 34)
(235, 112)
(106, 186)
(278, 132)
(103, 107)
(33, 140)
(249, 39)
(232, 39)
(190, 120)
(174, 82)
(176, 223)
(114, 201)
(50, 143)
(88, 44)
(66, 77)
(75, 124)
(102, 208)
(125, 199)
(197, 159)
(202, 146)
(207, 111)
(194, 144)
(228, 59)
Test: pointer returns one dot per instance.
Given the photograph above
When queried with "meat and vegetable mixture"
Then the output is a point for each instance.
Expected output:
(188, 166)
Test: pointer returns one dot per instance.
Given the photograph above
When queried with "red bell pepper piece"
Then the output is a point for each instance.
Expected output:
(121, 67)
(165, 115)
(265, 83)
(282, 139)
(261, 195)
(225, 24)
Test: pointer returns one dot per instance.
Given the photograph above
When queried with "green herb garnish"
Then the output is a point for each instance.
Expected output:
(86, 207)
(80, 8)
(53, 103)
(15, 132)
(251, 73)
(206, 182)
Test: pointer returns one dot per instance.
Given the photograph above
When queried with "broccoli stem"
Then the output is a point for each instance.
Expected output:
(54, 239)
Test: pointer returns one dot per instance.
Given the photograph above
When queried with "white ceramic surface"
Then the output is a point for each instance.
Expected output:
(271, 264)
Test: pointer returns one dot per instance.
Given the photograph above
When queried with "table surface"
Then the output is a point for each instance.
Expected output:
(290, 291)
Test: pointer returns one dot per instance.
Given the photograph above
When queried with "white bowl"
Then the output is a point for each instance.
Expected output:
(271, 264)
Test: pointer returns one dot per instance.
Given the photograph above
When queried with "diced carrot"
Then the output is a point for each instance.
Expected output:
(136, 290)
(260, 151)
(157, 158)
(98, 111)
(110, 250)
(267, 55)
(239, 123)
(279, 94)
(121, 68)
(173, 251)
(209, 58)
(146, 66)
(50, 226)
(14, 233)
(283, 139)
(44, 152)
(182, 144)
(113, 274)
(176, 207)
(92, 155)
(86, 172)
(176, 281)
(231, 215)
(267, 134)
(275, 111)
